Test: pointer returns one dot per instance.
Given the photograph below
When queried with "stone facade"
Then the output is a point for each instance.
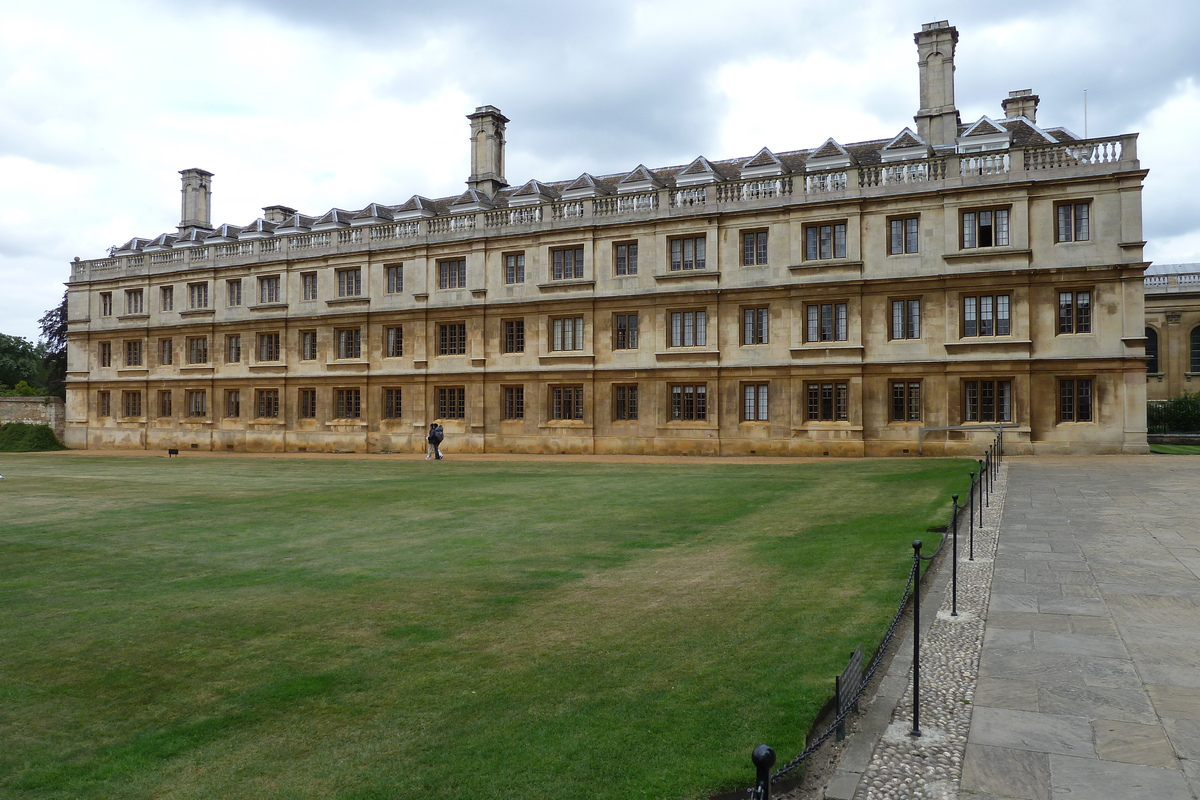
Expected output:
(1172, 330)
(839, 300)
(35, 411)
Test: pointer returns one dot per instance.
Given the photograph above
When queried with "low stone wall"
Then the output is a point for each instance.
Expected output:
(35, 411)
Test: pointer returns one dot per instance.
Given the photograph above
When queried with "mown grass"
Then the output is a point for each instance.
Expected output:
(290, 628)
(1176, 449)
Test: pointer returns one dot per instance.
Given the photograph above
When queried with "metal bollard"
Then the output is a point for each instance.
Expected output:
(916, 728)
(954, 569)
(763, 758)
(971, 503)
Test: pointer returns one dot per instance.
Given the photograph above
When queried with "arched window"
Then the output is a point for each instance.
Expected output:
(1152, 351)
(1195, 360)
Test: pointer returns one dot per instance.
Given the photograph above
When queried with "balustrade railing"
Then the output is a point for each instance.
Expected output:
(824, 182)
(235, 249)
(933, 169)
(693, 196)
(168, 257)
(758, 189)
(568, 210)
(399, 230)
(308, 241)
(268, 246)
(1072, 154)
(352, 236)
(198, 254)
(134, 261)
(1157, 280)
(523, 215)
(983, 164)
(624, 204)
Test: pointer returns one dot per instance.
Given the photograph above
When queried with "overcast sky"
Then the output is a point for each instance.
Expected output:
(315, 104)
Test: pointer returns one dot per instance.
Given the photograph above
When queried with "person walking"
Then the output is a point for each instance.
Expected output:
(436, 435)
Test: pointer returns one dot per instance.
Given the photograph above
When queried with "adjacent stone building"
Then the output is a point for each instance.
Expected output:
(843, 300)
(1172, 330)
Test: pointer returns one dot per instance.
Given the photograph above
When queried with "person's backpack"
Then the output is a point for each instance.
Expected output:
(437, 435)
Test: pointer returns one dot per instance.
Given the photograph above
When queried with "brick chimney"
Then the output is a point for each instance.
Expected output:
(1021, 103)
(487, 150)
(937, 119)
(197, 200)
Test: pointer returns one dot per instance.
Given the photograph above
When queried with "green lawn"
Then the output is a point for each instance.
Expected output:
(1176, 449)
(291, 628)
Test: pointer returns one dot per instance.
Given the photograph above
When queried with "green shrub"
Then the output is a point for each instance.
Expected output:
(1177, 415)
(21, 437)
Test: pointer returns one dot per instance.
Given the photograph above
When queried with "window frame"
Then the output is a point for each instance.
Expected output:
(908, 227)
(196, 403)
(197, 350)
(1075, 317)
(394, 275)
(513, 398)
(134, 353)
(566, 402)
(560, 269)
(814, 241)
(131, 403)
(308, 286)
(233, 292)
(972, 238)
(755, 245)
(349, 343)
(166, 352)
(978, 410)
(687, 402)
(755, 401)
(103, 403)
(166, 298)
(679, 328)
(1073, 230)
(827, 401)
(349, 282)
(452, 402)
(198, 296)
(975, 315)
(233, 348)
(165, 404)
(625, 258)
(625, 331)
(1076, 400)
(817, 324)
(756, 325)
(452, 338)
(566, 331)
(347, 402)
(514, 268)
(452, 273)
(269, 347)
(104, 353)
(270, 290)
(267, 403)
(393, 341)
(106, 304)
(393, 403)
(308, 337)
(513, 336)
(135, 302)
(306, 403)
(233, 403)
(625, 402)
(906, 400)
(908, 324)
(678, 248)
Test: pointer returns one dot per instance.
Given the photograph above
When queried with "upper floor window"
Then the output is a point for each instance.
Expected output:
(689, 329)
(197, 348)
(133, 353)
(986, 315)
(308, 285)
(1075, 400)
(755, 323)
(1074, 222)
(268, 346)
(985, 228)
(625, 331)
(349, 282)
(754, 248)
(104, 354)
(233, 348)
(103, 404)
(167, 298)
(566, 333)
(308, 345)
(395, 278)
(452, 274)
(903, 235)
(197, 295)
(566, 263)
(268, 289)
(625, 255)
(987, 401)
(106, 304)
(514, 336)
(514, 268)
(349, 343)
(166, 352)
(452, 339)
(826, 322)
(234, 287)
(393, 342)
(906, 319)
(1075, 312)
(134, 301)
(688, 253)
(825, 241)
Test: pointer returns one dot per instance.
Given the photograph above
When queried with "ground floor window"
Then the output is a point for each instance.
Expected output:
(514, 402)
(754, 402)
(197, 403)
(689, 401)
(906, 401)
(233, 403)
(566, 402)
(625, 402)
(987, 401)
(1075, 400)
(133, 404)
(308, 403)
(391, 404)
(164, 403)
(828, 402)
(348, 402)
(452, 402)
(268, 403)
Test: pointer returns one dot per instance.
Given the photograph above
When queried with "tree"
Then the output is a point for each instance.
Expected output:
(19, 361)
(53, 345)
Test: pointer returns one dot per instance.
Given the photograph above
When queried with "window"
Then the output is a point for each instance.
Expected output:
(514, 402)
(268, 289)
(167, 298)
(825, 241)
(987, 401)
(986, 315)
(826, 322)
(1074, 222)
(349, 282)
(197, 348)
(133, 353)
(906, 319)
(103, 404)
(349, 343)
(452, 274)
(233, 348)
(689, 401)
(233, 403)
(197, 403)
(755, 324)
(514, 336)
(234, 289)
(391, 403)
(1194, 360)
(566, 402)
(1152, 366)
(754, 402)
(308, 345)
(985, 228)
(395, 278)
(133, 403)
(452, 402)
(567, 263)
(308, 403)
(689, 329)
(828, 402)
(268, 403)
(308, 285)
(348, 402)
(268, 347)
(166, 352)
(514, 268)
(452, 339)
(164, 403)
(566, 333)
(688, 253)
(625, 255)
(906, 401)
(105, 354)
(1075, 312)
(754, 248)
(106, 304)
(393, 342)
(134, 303)
(1075, 400)
(625, 332)
(197, 295)
(625, 401)
(903, 237)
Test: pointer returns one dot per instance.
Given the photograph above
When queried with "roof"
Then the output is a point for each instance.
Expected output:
(1173, 269)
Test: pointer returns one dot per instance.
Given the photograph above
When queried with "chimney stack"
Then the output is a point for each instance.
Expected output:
(937, 119)
(197, 200)
(1021, 103)
(487, 150)
(277, 214)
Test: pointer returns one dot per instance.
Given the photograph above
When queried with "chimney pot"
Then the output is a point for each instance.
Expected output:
(197, 200)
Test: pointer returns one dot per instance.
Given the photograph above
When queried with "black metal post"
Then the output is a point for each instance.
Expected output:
(954, 569)
(763, 758)
(971, 503)
(916, 714)
(983, 488)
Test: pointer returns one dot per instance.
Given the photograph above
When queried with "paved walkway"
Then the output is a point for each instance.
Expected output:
(1089, 678)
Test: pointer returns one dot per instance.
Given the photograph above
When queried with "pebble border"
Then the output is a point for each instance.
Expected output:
(929, 767)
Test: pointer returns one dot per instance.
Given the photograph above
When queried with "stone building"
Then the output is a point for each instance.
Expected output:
(1172, 330)
(843, 300)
